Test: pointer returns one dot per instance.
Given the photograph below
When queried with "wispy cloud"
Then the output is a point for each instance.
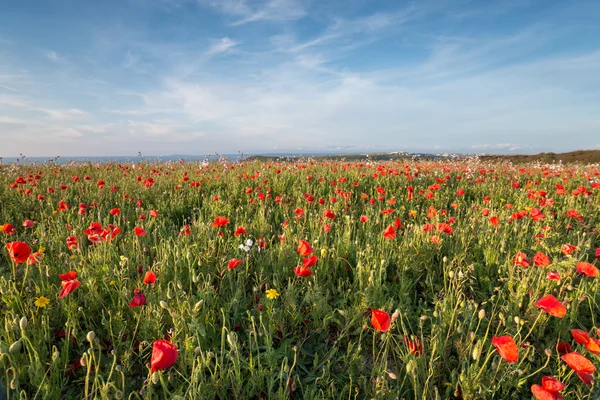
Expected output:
(267, 10)
(223, 45)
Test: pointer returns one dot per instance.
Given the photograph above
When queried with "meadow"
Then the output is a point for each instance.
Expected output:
(300, 280)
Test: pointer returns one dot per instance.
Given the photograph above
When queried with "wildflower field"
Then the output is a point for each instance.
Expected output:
(299, 280)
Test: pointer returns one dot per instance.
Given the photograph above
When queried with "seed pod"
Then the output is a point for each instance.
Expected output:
(481, 314)
(15, 347)
(23, 323)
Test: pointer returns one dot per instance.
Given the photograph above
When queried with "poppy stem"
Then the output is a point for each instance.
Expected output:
(532, 326)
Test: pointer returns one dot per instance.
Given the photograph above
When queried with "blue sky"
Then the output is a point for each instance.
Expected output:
(83, 78)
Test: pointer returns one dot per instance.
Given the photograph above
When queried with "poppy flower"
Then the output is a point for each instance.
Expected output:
(364, 218)
(233, 263)
(149, 278)
(153, 213)
(593, 346)
(597, 254)
(69, 283)
(9, 229)
(72, 242)
(563, 348)
(302, 271)
(389, 232)
(549, 389)
(541, 260)
(115, 212)
(568, 249)
(220, 221)
(580, 336)
(95, 228)
(521, 259)
(28, 224)
(310, 261)
(34, 258)
(551, 384)
(139, 231)
(62, 206)
(164, 354)
(552, 306)
(579, 363)
(304, 248)
(541, 394)
(380, 320)
(553, 276)
(506, 347)
(138, 299)
(19, 252)
(329, 214)
(239, 231)
(185, 231)
(587, 269)
(494, 221)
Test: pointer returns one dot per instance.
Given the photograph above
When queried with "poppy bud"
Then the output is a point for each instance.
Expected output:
(23, 323)
(91, 335)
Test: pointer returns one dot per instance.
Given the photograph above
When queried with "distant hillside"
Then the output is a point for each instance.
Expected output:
(579, 156)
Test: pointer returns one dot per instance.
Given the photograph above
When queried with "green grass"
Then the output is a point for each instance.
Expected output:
(316, 340)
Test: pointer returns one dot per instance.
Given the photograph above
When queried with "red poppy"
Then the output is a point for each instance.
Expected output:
(240, 231)
(304, 248)
(552, 306)
(302, 271)
(62, 206)
(568, 249)
(494, 221)
(220, 221)
(72, 242)
(389, 232)
(598, 254)
(563, 348)
(380, 320)
(9, 229)
(19, 252)
(329, 214)
(506, 347)
(551, 384)
(593, 346)
(95, 228)
(541, 260)
(587, 269)
(139, 231)
(553, 276)
(185, 231)
(521, 259)
(115, 212)
(364, 218)
(588, 379)
(34, 258)
(138, 299)
(164, 354)
(580, 336)
(310, 261)
(153, 213)
(149, 278)
(233, 263)
(69, 283)
(579, 363)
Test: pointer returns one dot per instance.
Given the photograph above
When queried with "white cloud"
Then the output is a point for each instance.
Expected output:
(266, 10)
(223, 45)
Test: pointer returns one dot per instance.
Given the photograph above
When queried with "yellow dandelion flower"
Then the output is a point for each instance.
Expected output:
(272, 294)
(41, 249)
(42, 302)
